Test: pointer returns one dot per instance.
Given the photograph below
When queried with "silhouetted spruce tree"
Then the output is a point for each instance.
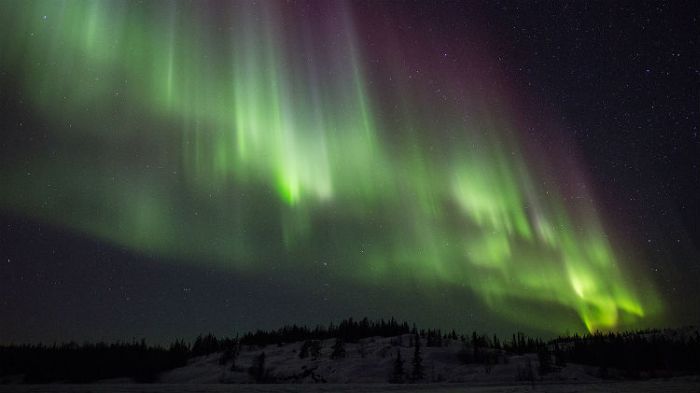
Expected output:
(475, 347)
(434, 338)
(204, 345)
(230, 352)
(338, 349)
(315, 349)
(304, 350)
(397, 375)
(257, 369)
(559, 357)
(417, 372)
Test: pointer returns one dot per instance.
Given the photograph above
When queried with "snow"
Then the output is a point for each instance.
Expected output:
(441, 365)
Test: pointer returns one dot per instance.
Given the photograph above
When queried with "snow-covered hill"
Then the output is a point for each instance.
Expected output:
(371, 360)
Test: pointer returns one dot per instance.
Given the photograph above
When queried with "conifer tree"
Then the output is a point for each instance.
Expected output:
(315, 349)
(417, 373)
(338, 349)
(475, 347)
(397, 375)
(257, 369)
(304, 350)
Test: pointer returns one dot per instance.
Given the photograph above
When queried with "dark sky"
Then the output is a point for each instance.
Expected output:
(98, 234)
(624, 79)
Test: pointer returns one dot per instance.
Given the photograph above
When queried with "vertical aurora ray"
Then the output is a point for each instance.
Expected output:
(238, 135)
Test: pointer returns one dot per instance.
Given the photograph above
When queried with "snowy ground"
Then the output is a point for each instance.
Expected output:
(667, 386)
(369, 361)
(372, 361)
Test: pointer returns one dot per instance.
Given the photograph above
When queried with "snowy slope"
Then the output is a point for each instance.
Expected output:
(441, 364)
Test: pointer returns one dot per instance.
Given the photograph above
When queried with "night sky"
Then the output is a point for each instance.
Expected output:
(176, 168)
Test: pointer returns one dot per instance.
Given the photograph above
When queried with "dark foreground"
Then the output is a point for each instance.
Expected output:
(668, 386)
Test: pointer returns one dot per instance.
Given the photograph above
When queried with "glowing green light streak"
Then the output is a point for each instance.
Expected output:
(228, 116)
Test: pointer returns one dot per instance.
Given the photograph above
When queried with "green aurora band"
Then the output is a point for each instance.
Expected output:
(244, 136)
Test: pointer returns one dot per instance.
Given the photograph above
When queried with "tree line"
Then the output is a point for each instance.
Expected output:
(641, 354)
(90, 362)
(637, 354)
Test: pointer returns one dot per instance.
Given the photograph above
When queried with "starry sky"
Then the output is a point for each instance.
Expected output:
(174, 168)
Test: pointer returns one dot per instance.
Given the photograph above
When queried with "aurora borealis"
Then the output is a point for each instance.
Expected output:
(258, 137)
